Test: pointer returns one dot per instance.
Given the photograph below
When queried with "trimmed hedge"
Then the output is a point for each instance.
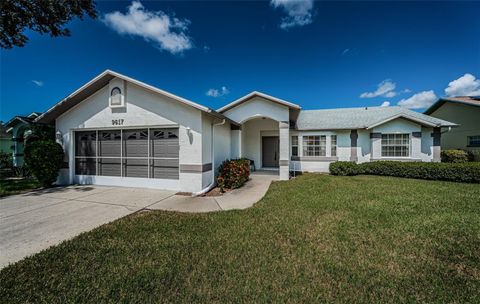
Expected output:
(44, 158)
(344, 168)
(455, 172)
(233, 173)
(456, 156)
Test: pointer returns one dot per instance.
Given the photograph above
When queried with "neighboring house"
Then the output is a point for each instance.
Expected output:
(116, 130)
(19, 127)
(5, 140)
(465, 111)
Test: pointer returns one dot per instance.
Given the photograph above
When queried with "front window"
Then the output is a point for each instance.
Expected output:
(395, 145)
(474, 141)
(334, 145)
(294, 145)
(314, 145)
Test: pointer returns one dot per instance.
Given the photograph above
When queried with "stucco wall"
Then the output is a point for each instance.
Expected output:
(468, 119)
(258, 107)
(143, 109)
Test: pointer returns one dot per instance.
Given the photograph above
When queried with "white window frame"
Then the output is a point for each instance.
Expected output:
(333, 147)
(294, 146)
(321, 148)
(122, 98)
(394, 144)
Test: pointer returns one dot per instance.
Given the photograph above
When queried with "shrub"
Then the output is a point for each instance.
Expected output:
(455, 156)
(5, 160)
(44, 158)
(344, 168)
(457, 172)
(233, 173)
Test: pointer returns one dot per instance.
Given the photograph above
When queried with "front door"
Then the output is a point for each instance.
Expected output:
(270, 151)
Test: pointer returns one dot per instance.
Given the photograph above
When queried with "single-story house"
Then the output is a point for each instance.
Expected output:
(19, 128)
(465, 111)
(116, 130)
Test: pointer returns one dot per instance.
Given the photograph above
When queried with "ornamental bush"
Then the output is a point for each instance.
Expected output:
(456, 172)
(456, 156)
(44, 158)
(344, 168)
(233, 173)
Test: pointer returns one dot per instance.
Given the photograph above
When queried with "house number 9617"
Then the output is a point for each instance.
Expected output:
(117, 122)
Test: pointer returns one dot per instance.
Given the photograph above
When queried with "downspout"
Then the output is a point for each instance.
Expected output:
(212, 149)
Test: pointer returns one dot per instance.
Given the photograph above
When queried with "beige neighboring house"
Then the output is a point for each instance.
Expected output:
(462, 110)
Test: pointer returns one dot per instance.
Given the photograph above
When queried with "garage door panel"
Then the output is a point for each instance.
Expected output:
(85, 166)
(86, 143)
(135, 143)
(110, 143)
(109, 167)
(135, 168)
(128, 155)
(164, 168)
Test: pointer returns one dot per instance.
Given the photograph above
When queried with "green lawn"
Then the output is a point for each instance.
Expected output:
(317, 238)
(16, 186)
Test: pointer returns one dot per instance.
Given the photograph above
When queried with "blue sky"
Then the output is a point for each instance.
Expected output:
(316, 54)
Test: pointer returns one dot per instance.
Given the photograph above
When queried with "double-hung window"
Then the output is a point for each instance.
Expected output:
(395, 145)
(295, 145)
(315, 145)
(333, 142)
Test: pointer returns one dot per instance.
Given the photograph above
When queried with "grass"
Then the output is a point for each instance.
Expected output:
(317, 238)
(17, 186)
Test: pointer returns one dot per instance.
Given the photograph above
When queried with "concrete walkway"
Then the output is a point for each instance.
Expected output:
(241, 198)
(37, 220)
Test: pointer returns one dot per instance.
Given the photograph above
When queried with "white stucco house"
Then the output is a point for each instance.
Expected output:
(116, 130)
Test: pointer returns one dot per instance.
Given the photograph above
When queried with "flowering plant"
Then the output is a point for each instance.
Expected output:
(233, 173)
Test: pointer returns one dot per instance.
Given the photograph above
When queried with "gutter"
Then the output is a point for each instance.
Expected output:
(212, 182)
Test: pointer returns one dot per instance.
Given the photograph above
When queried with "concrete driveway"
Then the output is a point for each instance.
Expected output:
(37, 220)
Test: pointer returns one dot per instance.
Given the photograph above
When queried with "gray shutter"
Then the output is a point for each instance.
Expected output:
(135, 145)
(164, 144)
(109, 152)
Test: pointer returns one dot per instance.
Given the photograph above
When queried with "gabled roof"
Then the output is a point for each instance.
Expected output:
(257, 94)
(362, 118)
(102, 80)
(467, 100)
(24, 119)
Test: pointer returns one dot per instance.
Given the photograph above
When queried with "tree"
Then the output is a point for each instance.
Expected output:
(43, 16)
(44, 158)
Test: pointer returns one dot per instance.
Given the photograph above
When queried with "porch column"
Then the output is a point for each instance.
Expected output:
(284, 160)
(436, 144)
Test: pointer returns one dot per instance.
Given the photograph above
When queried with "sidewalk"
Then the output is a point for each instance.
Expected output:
(241, 198)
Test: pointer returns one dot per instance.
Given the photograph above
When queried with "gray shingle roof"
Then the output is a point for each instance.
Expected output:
(359, 118)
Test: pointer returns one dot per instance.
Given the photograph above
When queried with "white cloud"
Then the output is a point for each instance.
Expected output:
(167, 32)
(345, 51)
(385, 88)
(420, 100)
(467, 85)
(218, 92)
(299, 12)
(385, 104)
(38, 83)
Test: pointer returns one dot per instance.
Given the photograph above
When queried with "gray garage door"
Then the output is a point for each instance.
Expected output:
(146, 153)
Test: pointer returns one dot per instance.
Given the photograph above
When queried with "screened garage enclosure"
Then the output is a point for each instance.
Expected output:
(144, 153)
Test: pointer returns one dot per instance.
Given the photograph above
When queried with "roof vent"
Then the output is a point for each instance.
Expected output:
(366, 108)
